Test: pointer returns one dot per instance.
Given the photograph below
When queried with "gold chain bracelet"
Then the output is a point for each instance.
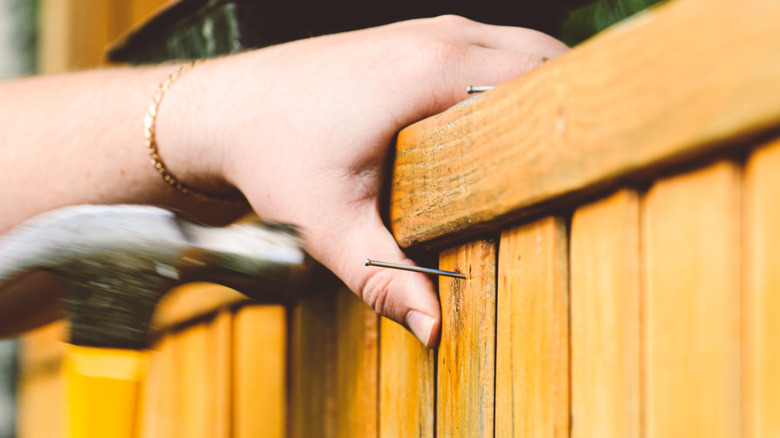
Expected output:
(151, 143)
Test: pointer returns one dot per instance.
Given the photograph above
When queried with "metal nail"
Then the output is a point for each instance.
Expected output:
(431, 271)
(471, 89)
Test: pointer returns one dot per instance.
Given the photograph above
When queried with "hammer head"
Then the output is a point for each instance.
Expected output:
(116, 262)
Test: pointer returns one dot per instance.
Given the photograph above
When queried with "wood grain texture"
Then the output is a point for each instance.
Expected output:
(259, 360)
(532, 370)
(334, 365)
(466, 358)
(692, 285)
(761, 356)
(407, 383)
(604, 299)
(666, 85)
(357, 362)
(312, 367)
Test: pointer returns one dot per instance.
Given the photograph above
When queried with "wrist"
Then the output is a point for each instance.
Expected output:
(183, 146)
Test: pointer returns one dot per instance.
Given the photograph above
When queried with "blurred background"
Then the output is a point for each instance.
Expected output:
(56, 36)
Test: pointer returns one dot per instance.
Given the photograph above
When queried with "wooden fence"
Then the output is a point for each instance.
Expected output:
(617, 212)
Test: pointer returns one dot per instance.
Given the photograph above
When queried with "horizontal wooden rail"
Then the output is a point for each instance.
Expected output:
(671, 83)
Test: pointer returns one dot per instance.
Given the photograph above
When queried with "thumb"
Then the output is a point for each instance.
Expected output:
(407, 298)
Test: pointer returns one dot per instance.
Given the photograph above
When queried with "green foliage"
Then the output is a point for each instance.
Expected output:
(591, 19)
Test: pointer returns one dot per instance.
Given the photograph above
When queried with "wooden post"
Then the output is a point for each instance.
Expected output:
(532, 377)
(466, 362)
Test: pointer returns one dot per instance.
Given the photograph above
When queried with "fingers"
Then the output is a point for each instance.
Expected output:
(518, 40)
(405, 297)
(492, 67)
(477, 66)
(479, 54)
(507, 38)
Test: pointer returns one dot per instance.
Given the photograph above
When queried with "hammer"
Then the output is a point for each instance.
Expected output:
(115, 263)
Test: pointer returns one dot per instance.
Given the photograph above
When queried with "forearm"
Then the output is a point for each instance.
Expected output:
(79, 138)
(302, 129)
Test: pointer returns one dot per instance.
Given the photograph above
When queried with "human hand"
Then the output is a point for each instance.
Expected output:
(303, 130)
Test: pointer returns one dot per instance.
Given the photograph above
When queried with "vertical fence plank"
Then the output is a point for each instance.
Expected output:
(691, 229)
(312, 404)
(466, 360)
(259, 371)
(220, 347)
(152, 394)
(161, 403)
(357, 364)
(334, 366)
(532, 381)
(762, 295)
(406, 376)
(195, 379)
(188, 385)
(604, 299)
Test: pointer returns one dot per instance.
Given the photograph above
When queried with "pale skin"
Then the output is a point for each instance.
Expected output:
(302, 129)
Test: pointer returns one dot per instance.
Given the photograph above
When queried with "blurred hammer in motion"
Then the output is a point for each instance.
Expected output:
(114, 264)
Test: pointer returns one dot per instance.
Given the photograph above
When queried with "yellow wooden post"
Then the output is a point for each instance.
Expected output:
(604, 300)
(104, 390)
(466, 362)
(406, 379)
(692, 289)
(532, 375)
(761, 305)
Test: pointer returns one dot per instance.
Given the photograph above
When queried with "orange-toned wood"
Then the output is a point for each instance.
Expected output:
(333, 365)
(761, 357)
(357, 357)
(692, 262)
(193, 301)
(220, 349)
(73, 35)
(466, 359)
(532, 363)
(604, 302)
(194, 382)
(160, 395)
(202, 381)
(664, 86)
(407, 383)
(142, 10)
(41, 385)
(312, 367)
(259, 371)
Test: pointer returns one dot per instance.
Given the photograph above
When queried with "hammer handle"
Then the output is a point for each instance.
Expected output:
(104, 391)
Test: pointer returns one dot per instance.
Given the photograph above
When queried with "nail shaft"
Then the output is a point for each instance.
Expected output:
(431, 271)
(471, 89)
